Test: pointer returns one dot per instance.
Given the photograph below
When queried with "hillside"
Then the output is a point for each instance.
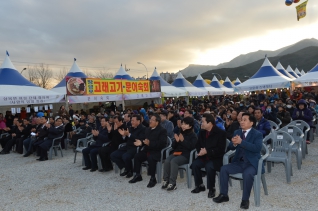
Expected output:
(304, 59)
(243, 59)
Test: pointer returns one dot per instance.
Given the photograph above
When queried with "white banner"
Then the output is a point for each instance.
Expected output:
(141, 96)
(94, 98)
(241, 87)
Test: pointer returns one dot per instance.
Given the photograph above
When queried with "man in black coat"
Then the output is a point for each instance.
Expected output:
(16, 134)
(231, 124)
(155, 140)
(123, 156)
(90, 153)
(210, 147)
(40, 133)
(86, 128)
(53, 132)
(115, 140)
(10, 130)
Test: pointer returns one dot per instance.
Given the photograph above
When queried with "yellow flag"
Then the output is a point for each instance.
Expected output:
(301, 10)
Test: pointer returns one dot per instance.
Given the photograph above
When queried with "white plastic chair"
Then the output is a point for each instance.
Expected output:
(305, 128)
(56, 144)
(273, 125)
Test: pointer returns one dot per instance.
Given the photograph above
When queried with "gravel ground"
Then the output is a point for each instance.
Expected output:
(60, 184)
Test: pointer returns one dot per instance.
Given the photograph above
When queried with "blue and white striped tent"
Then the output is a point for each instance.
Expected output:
(167, 89)
(297, 72)
(227, 83)
(290, 71)
(309, 79)
(200, 83)
(237, 82)
(267, 77)
(17, 90)
(216, 84)
(182, 83)
(75, 71)
(282, 70)
(122, 74)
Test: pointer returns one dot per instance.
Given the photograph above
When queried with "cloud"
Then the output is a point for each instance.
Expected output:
(168, 35)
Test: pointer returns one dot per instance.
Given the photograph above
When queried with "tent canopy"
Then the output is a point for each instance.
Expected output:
(75, 71)
(216, 84)
(291, 72)
(267, 77)
(227, 83)
(282, 70)
(297, 72)
(309, 79)
(167, 89)
(122, 74)
(237, 82)
(200, 83)
(17, 90)
(182, 83)
(302, 72)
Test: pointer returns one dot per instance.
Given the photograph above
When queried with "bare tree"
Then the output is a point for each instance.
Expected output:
(40, 75)
(102, 74)
(61, 74)
(88, 73)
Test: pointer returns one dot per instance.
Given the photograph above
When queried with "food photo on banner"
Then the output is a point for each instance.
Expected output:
(75, 86)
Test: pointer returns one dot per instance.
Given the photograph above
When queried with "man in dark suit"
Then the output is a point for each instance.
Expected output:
(90, 153)
(40, 133)
(248, 144)
(53, 132)
(210, 148)
(127, 119)
(155, 140)
(115, 140)
(123, 156)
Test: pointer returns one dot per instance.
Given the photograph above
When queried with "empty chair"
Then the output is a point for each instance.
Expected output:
(281, 149)
(82, 144)
(298, 136)
(305, 128)
(257, 178)
(56, 144)
(279, 122)
(273, 125)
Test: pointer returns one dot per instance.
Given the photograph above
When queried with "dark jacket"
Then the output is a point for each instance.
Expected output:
(284, 116)
(55, 132)
(231, 129)
(102, 137)
(214, 143)
(252, 146)
(303, 114)
(157, 141)
(187, 145)
(115, 138)
(263, 126)
(42, 132)
(135, 133)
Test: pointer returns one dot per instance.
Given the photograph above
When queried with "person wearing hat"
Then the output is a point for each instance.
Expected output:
(165, 123)
(283, 115)
(303, 113)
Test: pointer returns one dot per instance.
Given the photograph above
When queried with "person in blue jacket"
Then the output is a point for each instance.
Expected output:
(262, 125)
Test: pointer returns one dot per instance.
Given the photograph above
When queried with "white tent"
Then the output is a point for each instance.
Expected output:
(182, 83)
(167, 89)
(75, 71)
(267, 77)
(302, 72)
(200, 83)
(291, 72)
(17, 90)
(216, 84)
(282, 70)
(237, 82)
(309, 79)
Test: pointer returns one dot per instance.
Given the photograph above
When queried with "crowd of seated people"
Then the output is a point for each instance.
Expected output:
(130, 138)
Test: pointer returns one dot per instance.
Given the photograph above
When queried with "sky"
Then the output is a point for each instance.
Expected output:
(168, 35)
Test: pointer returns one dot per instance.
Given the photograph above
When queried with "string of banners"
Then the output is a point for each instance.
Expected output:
(96, 86)
(35, 108)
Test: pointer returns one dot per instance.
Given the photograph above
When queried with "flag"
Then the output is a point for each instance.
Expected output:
(301, 10)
